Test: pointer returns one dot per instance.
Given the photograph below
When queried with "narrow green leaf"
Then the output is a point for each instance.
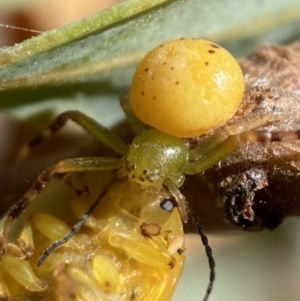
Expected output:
(92, 61)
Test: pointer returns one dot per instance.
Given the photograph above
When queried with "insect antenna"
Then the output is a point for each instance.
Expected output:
(74, 229)
(209, 255)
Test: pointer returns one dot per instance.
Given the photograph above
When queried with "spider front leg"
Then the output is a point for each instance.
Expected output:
(222, 149)
(180, 199)
(220, 135)
(69, 165)
(87, 123)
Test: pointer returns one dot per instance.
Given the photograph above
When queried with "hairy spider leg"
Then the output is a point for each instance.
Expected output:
(89, 124)
(179, 198)
(221, 134)
(233, 142)
(69, 165)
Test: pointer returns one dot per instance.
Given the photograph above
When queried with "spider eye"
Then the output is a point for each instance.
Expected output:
(187, 87)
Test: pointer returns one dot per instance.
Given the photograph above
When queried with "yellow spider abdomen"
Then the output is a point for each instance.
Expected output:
(187, 87)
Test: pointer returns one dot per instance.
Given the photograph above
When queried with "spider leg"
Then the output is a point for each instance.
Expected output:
(234, 142)
(69, 165)
(137, 125)
(250, 123)
(180, 199)
(87, 123)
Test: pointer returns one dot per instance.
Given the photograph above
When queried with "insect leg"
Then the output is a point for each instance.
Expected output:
(69, 165)
(209, 255)
(87, 123)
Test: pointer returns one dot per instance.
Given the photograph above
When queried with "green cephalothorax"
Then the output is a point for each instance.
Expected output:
(155, 156)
